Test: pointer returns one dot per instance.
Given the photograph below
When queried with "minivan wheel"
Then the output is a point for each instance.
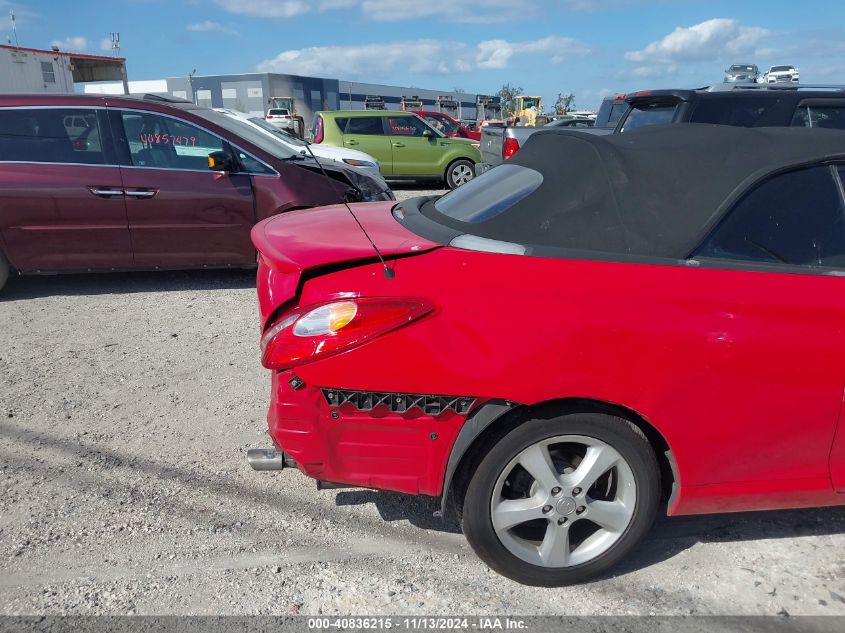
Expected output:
(459, 173)
(558, 501)
(4, 271)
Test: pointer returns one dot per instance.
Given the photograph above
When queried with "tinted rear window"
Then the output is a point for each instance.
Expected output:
(650, 113)
(363, 125)
(820, 116)
(43, 135)
(739, 112)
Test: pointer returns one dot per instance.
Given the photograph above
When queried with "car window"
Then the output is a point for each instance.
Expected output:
(167, 143)
(444, 125)
(820, 116)
(795, 218)
(406, 126)
(279, 112)
(489, 194)
(649, 114)
(287, 137)
(50, 136)
(363, 125)
(739, 112)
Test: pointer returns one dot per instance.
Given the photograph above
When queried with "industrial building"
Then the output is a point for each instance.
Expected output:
(27, 70)
(253, 92)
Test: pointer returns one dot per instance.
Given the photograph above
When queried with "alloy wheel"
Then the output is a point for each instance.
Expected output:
(563, 501)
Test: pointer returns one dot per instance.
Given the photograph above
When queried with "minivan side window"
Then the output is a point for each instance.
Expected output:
(167, 143)
(50, 135)
(819, 116)
(795, 218)
(364, 125)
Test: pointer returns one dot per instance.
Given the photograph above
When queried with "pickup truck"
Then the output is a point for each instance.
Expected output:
(742, 105)
(499, 142)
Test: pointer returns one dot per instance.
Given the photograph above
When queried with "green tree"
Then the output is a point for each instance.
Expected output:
(564, 103)
(508, 94)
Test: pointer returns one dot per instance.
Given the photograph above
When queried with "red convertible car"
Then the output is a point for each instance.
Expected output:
(555, 351)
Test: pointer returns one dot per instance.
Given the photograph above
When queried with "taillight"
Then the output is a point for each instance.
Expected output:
(318, 133)
(510, 147)
(318, 331)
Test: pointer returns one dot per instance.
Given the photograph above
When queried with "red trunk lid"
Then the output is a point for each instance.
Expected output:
(294, 242)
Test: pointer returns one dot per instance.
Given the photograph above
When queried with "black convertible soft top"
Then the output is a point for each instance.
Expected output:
(655, 191)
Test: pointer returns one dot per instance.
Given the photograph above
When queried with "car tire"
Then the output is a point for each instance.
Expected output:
(537, 549)
(459, 173)
(4, 271)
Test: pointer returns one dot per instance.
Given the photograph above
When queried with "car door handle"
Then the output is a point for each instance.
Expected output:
(351, 142)
(105, 192)
(142, 193)
(399, 145)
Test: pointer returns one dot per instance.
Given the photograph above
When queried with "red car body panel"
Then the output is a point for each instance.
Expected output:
(343, 242)
(740, 372)
(193, 217)
(463, 131)
(51, 221)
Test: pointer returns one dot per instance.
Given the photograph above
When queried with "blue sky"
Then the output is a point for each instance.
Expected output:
(587, 47)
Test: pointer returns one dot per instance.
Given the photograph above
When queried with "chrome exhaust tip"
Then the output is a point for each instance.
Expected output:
(268, 459)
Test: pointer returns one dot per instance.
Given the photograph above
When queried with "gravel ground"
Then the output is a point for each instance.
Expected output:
(128, 402)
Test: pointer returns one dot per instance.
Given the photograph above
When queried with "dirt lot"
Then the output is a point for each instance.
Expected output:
(128, 402)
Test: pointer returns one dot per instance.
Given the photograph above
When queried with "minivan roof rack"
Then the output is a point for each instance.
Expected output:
(163, 98)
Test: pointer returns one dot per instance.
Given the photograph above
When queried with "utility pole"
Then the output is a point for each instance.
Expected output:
(14, 27)
(191, 81)
(115, 44)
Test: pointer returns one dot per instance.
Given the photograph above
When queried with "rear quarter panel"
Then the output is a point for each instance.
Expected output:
(741, 372)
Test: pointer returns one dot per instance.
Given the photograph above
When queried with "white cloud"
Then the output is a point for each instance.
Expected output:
(467, 11)
(266, 8)
(105, 44)
(372, 60)
(415, 56)
(498, 53)
(71, 43)
(211, 27)
(708, 41)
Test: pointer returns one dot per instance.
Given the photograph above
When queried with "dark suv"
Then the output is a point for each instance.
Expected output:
(109, 183)
(752, 105)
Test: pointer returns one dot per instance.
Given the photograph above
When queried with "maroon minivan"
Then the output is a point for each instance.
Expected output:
(99, 183)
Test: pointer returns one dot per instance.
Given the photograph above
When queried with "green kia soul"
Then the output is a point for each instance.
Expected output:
(407, 147)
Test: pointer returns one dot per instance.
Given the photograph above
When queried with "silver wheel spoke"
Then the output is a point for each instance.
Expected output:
(512, 512)
(597, 461)
(611, 515)
(537, 461)
(554, 550)
(607, 513)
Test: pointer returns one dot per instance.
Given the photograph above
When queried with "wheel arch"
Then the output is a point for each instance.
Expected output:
(455, 159)
(496, 418)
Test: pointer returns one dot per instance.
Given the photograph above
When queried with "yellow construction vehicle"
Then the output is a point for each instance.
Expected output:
(527, 110)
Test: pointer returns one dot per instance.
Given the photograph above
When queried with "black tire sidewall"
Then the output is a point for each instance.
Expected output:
(4, 271)
(463, 161)
(618, 433)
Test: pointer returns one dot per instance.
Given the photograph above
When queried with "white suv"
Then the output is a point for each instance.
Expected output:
(280, 118)
(781, 75)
